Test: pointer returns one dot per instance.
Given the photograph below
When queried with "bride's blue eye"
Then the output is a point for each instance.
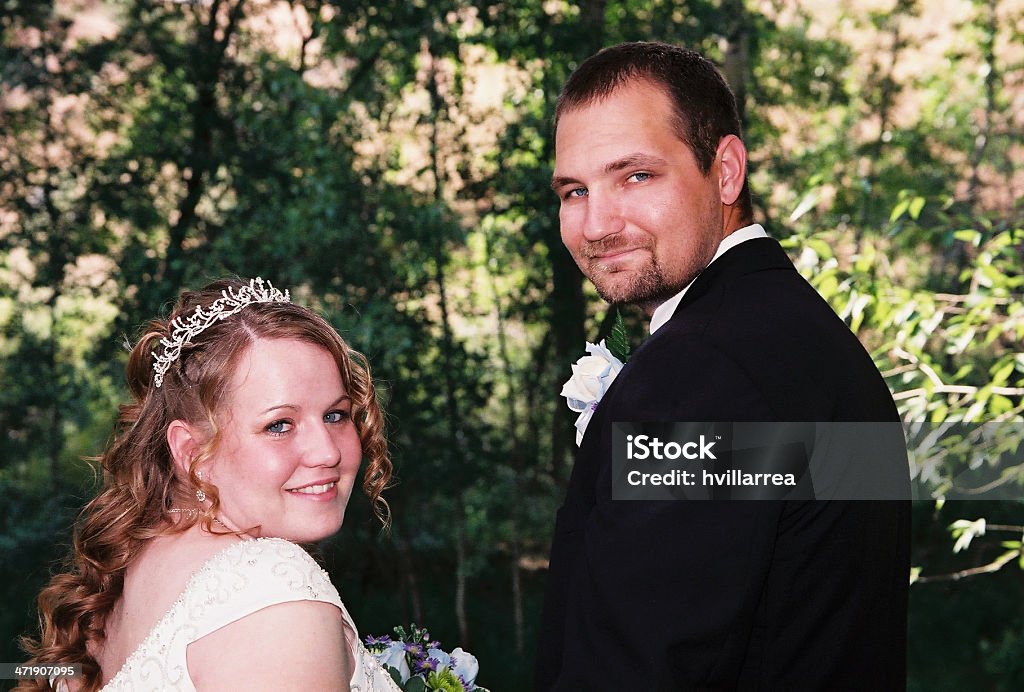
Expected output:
(279, 427)
(336, 417)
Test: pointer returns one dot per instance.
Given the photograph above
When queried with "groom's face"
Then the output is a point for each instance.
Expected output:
(637, 214)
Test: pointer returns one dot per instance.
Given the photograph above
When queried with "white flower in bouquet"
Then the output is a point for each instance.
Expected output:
(465, 665)
(394, 656)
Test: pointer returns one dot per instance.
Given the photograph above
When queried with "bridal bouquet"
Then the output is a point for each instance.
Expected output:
(417, 663)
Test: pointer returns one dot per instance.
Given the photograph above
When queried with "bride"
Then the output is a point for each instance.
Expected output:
(248, 421)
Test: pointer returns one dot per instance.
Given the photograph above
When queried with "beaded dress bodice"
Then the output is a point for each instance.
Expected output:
(236, 582)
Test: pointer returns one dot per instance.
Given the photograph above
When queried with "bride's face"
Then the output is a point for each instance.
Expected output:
(289, 451)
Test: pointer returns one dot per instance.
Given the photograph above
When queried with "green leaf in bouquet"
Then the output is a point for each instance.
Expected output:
(395, 675)
(415, 684)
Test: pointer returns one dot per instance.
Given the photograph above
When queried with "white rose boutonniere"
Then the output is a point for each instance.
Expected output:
(592, 375)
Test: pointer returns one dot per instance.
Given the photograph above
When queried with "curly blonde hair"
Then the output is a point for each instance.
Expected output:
(139, 481)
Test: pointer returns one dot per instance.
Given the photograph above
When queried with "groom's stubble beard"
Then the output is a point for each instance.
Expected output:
(647, 287)
(644, 288)
(654, 282)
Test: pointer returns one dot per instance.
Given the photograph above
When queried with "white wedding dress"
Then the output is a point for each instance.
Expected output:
(236, 582)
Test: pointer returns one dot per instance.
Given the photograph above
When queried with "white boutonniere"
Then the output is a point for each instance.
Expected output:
(592, 375)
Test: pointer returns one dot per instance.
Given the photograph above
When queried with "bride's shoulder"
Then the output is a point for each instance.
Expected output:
(179, 556)
(283, 614)
(298, 645)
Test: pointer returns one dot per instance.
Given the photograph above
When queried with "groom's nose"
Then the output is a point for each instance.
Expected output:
(603, 216)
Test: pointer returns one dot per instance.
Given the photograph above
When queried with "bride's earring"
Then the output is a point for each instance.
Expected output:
(200, 495)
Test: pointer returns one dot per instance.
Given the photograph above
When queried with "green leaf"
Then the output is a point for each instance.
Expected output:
(916, 205)
(968, 236)
(1000, 404)
(395, 675)
(415, 685)
(823, 249)
(1002, 374)
(808, 202)
(899, 210)
(618, 340)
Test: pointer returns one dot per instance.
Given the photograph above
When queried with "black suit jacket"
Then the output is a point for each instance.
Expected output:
(742, 595)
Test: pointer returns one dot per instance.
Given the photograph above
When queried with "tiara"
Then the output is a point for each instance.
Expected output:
(183, 330)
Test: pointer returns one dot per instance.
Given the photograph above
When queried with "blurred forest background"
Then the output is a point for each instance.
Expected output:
(389, 162)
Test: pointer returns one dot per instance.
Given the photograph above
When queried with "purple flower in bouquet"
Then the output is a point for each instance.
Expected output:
(381, 641)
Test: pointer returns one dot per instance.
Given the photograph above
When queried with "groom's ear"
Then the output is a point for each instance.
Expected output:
(184, 443)
(732, 168)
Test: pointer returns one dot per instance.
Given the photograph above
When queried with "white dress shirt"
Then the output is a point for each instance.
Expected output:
(664, 311)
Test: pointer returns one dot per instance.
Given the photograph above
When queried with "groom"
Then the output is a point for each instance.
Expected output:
(707, 595)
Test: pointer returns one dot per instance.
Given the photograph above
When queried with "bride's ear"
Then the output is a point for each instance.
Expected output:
(184, 444)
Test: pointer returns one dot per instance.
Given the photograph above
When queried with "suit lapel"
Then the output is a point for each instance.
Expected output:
(752, 256)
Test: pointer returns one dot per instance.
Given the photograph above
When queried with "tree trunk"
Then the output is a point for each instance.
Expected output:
(209, 61)
(567, 301)
(991, 80)
(736, 66)
(517, 596)
(515, 456)
(57, 257)
(888, 89)
(460, 588)
(456, 443)
(407, 568)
